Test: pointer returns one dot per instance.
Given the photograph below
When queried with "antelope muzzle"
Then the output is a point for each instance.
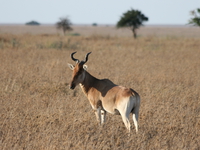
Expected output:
(72, 86)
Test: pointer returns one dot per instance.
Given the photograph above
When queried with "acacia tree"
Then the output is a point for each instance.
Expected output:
(132, 19)
(64, 24)
(196, 17)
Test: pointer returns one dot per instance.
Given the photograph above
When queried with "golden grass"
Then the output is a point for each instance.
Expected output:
(106, 31)
(38, 111)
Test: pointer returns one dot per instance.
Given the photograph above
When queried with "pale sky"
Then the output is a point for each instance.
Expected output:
(159, 12)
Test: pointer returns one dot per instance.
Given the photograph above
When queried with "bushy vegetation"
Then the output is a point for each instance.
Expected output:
(195, 20)
(33, 23)
(64, 24)
(132, 19)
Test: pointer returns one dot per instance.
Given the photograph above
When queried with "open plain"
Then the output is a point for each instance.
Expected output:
(39, 111)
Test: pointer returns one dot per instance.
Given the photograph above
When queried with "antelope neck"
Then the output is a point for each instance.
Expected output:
(88, 82)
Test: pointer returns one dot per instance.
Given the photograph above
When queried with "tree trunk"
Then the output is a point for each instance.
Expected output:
(64, 31)
(134, 33)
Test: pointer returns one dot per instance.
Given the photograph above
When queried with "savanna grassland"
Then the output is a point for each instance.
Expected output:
(39, 111)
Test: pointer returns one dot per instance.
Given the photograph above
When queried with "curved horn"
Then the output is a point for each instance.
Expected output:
(74, 59)
(86, 57)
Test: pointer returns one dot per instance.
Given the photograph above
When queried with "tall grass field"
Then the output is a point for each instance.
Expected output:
(38, 111)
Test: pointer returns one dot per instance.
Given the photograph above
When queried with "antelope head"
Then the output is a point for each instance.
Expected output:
(78, 74)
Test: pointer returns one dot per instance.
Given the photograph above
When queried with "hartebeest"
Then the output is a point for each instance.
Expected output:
(105, 96)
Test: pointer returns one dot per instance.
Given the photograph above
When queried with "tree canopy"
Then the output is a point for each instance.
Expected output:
(132, 19)
(32, 23)
(64, 24)
(196, 17)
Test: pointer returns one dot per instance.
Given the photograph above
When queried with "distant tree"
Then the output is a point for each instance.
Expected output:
(196, 17)
(64, 24)
(32, 23)
(132, 19)
(94, 24)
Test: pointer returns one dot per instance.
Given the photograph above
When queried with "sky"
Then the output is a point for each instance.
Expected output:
(159, 12)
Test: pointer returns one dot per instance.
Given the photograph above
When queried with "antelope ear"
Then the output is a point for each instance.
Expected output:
(85, 67)
(71, 66)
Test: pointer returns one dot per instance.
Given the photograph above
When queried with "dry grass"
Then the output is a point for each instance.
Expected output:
(38, 111)
(106, 31)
